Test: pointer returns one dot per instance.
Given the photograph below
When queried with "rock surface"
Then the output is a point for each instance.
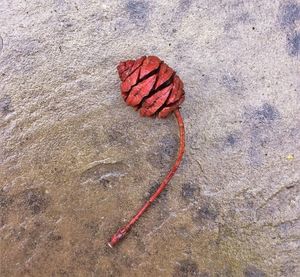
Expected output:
(75, 162)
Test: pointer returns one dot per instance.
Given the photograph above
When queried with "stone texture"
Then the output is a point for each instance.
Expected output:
(75, 162)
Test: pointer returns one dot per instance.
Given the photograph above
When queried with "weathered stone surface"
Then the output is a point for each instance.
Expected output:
(75, 162)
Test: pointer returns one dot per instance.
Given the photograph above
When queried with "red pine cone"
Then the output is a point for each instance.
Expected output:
(150, 85)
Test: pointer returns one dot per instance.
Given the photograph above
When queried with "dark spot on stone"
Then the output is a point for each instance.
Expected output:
(231, 82)
(54, 237)
(116, 135)
(206, 215)
(243, 18)
(186, 268)
(252, 271)
(290, 186)
(294, 44)
(138, 11)
(260, 122)
(207, 212)
(68, 25)
(289, 14)
(189, 190)
(253, 28)
(104, 182)
(231, 140)
(265, 114)
(36, 200)
(184, 5)
(174, 30)
(5, 200)
(164, 153)
(169, 145)
(5, 105)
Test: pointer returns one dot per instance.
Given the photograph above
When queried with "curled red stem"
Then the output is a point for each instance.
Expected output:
(120, 234)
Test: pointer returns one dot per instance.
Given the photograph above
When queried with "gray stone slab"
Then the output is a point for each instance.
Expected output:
(76, 162)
